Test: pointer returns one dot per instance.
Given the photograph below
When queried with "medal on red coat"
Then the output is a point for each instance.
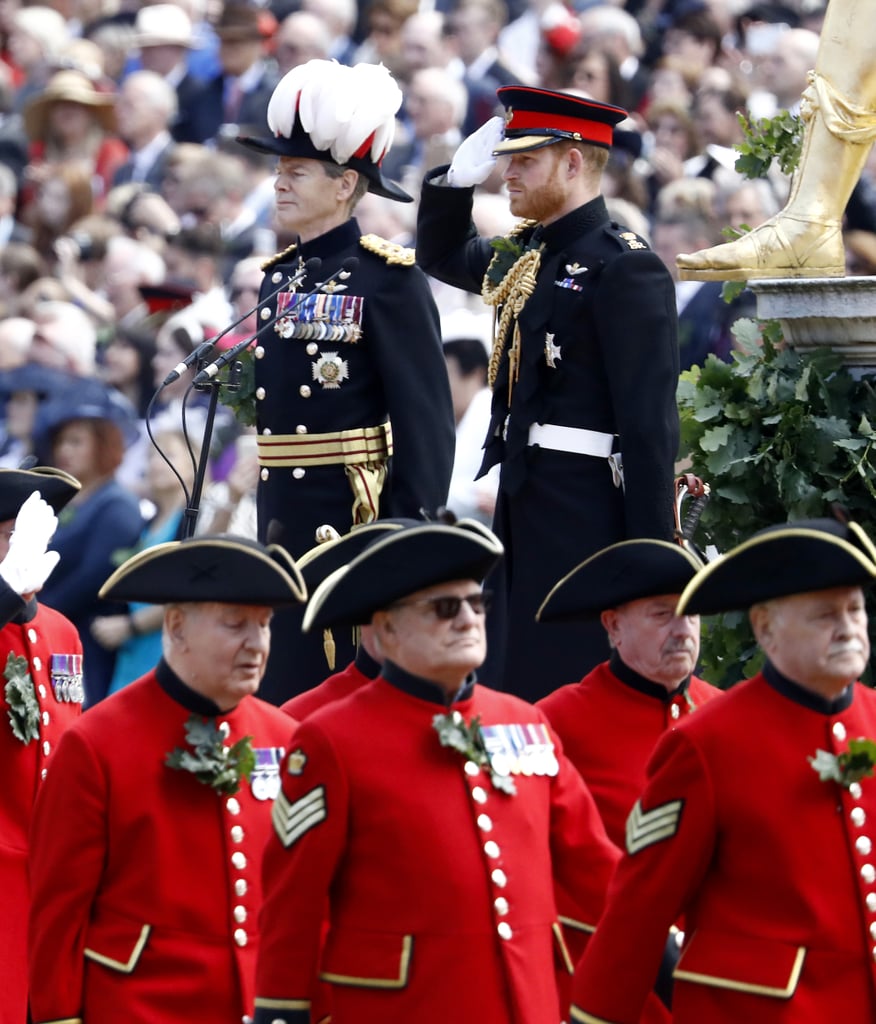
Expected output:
(265, 778)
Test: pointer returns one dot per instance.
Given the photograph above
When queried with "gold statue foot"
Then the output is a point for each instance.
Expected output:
(783, 246)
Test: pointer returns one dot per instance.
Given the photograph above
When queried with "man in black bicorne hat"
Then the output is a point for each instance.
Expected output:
(584, 366)
(352, 402)
(756, 821)
(147, 837)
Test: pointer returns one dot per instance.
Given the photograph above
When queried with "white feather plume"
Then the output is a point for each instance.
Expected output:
(375, 99)
(339, 106)
(284, 101)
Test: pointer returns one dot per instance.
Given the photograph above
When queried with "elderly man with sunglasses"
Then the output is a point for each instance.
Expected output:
(424, 818)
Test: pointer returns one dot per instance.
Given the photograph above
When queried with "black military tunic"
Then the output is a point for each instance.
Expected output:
(599, 352)
(340, 363)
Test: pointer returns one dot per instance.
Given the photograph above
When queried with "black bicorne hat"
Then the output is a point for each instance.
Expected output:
(323, 110)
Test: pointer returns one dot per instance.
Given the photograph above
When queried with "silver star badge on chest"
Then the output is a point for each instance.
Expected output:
(551, 351)
(330, 370)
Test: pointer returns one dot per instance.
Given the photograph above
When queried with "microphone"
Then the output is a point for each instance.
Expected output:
(199, 353)
(209, 372)
(310, 267)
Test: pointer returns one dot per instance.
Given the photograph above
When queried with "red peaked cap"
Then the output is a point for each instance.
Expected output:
(540, 117)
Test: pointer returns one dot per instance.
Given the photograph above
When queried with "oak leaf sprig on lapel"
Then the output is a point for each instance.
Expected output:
(453, 732)
(212, 762)
(507, 250)
(23, 706)
(854, 764)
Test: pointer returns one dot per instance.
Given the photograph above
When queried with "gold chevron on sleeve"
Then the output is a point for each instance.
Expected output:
(292, 821)
(644, 828)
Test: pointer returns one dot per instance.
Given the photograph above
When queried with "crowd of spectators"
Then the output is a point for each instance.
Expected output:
(133, 225)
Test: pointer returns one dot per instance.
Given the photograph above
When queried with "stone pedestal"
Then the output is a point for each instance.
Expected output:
(833, 312)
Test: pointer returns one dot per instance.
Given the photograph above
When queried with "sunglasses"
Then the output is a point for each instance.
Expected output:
(446, 606)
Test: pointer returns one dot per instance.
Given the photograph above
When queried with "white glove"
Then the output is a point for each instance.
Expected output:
(474, 159)
(28, 564)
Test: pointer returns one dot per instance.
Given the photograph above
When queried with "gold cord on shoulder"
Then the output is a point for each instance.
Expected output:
(509, 297)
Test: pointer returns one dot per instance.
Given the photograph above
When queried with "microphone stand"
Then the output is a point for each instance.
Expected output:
(205, 379)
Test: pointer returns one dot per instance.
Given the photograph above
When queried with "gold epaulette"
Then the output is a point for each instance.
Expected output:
(272, 261)
(392, 252)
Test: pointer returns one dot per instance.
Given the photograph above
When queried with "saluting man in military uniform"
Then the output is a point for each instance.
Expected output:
(584, 366)
(148, 833)
(354, 414)
(426, 815)
(41, 659)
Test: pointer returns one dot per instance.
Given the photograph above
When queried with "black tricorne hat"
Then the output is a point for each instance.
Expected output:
(627, 571)
(541, 117)
(333, 550)
(16, 485)
(323, 110)
(223, 568)
(400, 563)
(795, 558)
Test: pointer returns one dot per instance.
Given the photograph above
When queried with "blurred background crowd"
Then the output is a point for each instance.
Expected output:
(133, 225)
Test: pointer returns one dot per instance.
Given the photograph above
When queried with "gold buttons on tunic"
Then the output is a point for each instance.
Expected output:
(502, 906)
(479, 795)
(485, 822)
(237, 833)
(240, 887)
(304, 391)
(504, 930)
(470, 768)
(240, 937)
(491, 849)
(232, 805)
(238, 859)
(868, 873)
(839, 730)
(499, 877)
(298, 472)
(858, 816)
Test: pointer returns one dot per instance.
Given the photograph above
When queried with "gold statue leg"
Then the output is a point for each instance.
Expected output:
(839, 109)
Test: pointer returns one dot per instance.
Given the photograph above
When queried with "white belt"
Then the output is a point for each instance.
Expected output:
(571, 439)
